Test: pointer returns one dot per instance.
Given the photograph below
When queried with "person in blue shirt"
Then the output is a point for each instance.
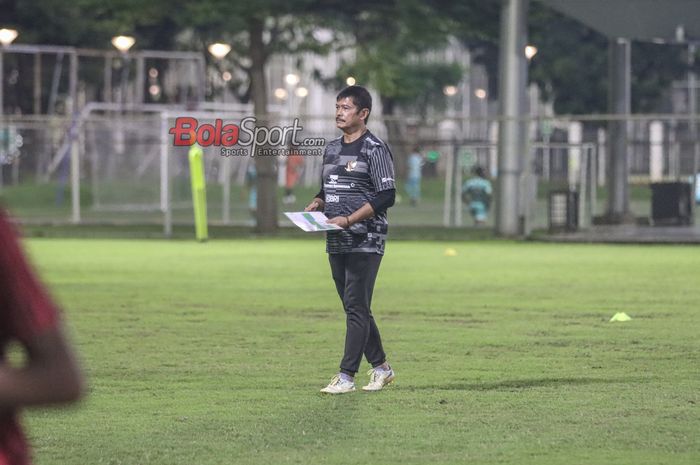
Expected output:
(415, 166)
(476, 194)
(251, 181)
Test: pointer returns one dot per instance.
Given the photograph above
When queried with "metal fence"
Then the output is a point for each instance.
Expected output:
(114, 164)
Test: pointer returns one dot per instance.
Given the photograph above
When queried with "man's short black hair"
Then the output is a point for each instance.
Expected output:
(360, 97)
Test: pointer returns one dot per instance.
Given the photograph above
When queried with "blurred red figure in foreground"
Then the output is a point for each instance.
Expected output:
(29, 317)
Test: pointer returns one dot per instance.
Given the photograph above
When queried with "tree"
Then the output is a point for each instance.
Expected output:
(256, 31)
(389, 39)
(66, 23)
(392, 39)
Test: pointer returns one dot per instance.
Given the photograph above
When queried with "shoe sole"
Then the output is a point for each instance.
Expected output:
(337, 392)
(387, 382)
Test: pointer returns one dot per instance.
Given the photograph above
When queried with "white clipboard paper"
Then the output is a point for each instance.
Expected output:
(311, 221)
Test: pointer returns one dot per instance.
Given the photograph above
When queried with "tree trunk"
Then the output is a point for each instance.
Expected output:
(265, 166)
(396, 141)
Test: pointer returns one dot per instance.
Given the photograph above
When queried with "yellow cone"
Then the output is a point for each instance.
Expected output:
(450, 252)
(620, 316)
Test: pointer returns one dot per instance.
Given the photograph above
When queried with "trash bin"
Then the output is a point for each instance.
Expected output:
(563, 210)
(670, 203)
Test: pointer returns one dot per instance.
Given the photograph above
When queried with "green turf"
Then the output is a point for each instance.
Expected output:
(214, 354)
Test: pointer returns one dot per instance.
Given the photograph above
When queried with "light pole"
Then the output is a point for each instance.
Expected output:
(529, 184)
(219, 50)
(450, 91)
(123, 44)
(482, 111)
(7, 36)
(692, 109)
(453, 175)
(292, 80)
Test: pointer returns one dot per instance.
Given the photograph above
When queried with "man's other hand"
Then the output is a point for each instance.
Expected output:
(314, 206)
(341, 221)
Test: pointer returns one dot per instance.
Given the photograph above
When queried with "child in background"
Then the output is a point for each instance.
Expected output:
(476, 194)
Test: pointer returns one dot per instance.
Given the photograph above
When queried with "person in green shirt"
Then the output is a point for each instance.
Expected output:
(476, 194)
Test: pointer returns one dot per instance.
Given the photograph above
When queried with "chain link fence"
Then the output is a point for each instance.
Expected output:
(118, 165)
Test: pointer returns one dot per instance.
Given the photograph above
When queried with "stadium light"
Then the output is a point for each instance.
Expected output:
(219, 50)
(480, 93)
(281, 93)
(123, 43)
(291, 79)
(530, 51)
(350, 81)
(7, 36)
(301, 92)
(449, 90)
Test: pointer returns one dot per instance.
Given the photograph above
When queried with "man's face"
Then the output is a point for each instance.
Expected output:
(348, 116)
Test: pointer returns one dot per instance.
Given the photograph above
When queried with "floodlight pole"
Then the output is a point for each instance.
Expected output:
(619, 104)
(165, 200)
(692, 109)
(74, 138)
(2, 81)
(140, 78)
(37, 84)
(512, 88)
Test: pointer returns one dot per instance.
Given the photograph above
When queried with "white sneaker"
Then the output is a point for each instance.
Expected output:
(338, 385)
(378, 379)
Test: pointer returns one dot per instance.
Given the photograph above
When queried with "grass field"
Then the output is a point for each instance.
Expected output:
(214, 354)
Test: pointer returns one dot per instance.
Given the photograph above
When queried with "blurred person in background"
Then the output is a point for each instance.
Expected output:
(415, 167)
(476, 194)
(295, 166)
(431, 162)
(251, 182)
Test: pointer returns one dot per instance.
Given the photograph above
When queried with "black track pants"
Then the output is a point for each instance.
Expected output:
(354, 275)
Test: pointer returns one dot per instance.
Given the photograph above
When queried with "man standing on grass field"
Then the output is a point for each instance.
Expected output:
(29, 317)
(358, 187)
